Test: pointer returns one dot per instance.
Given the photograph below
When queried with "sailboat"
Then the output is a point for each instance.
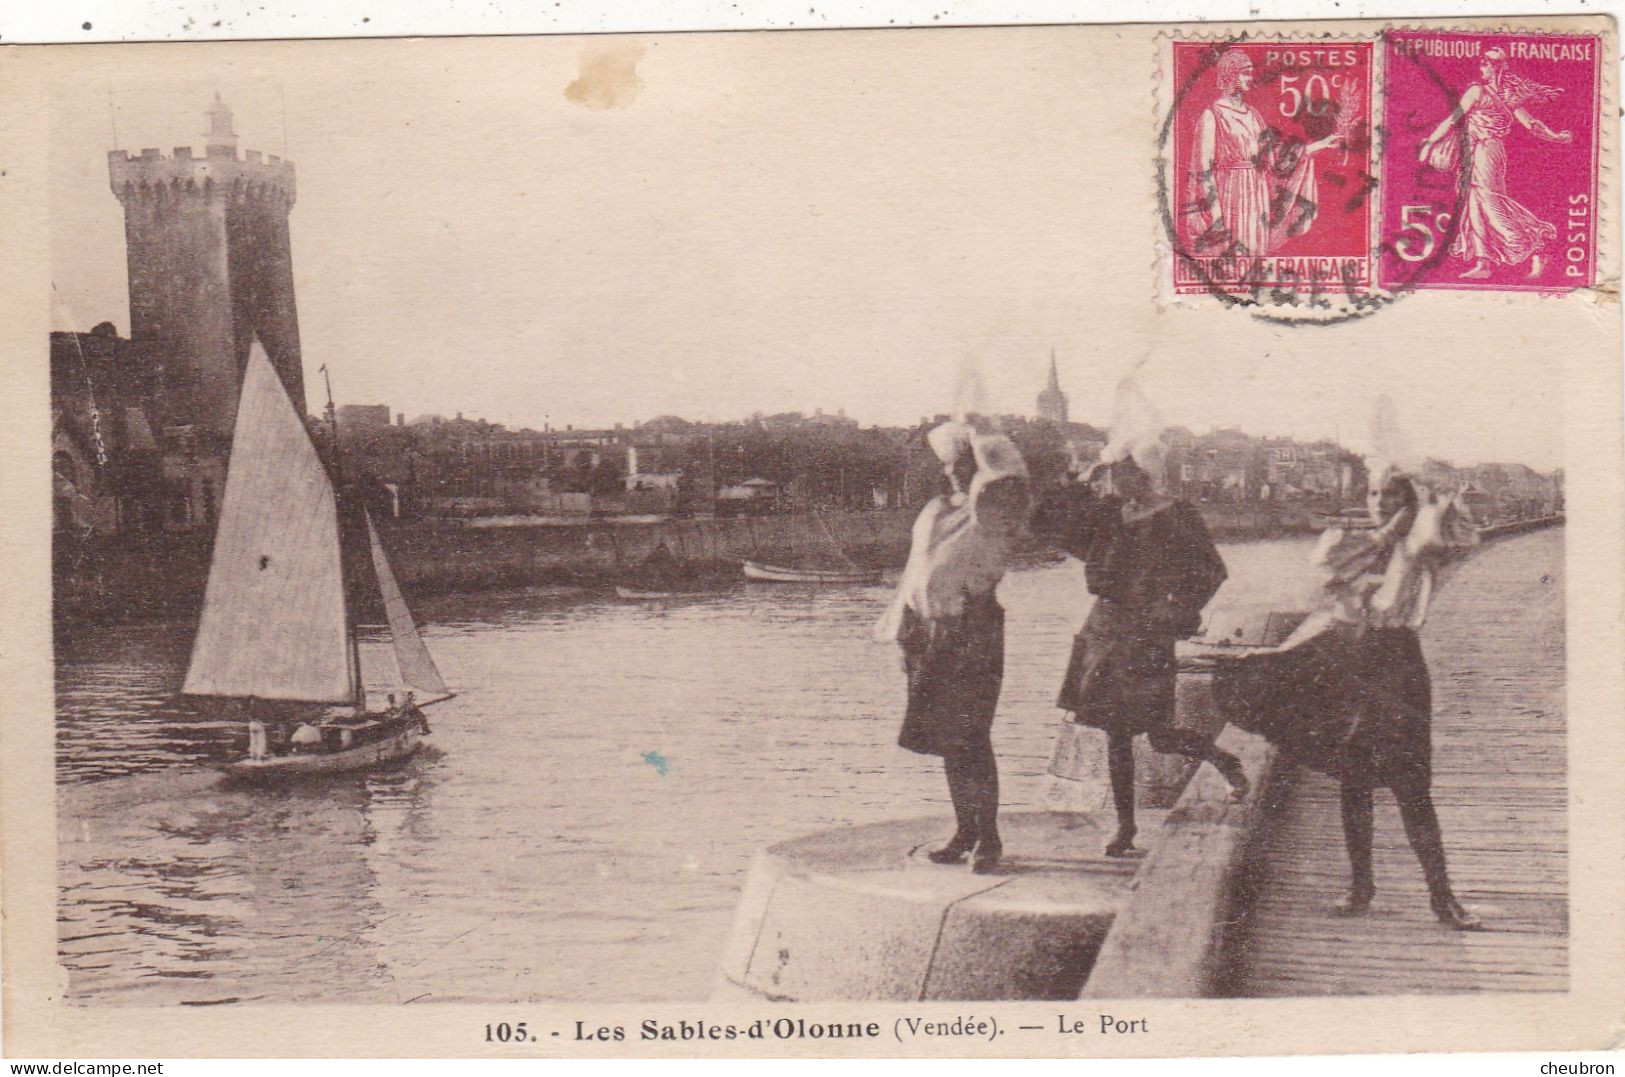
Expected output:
(662, 576)
(827, 563)
(278, 630)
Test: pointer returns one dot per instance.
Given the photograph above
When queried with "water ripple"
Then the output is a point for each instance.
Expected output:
(532, 852)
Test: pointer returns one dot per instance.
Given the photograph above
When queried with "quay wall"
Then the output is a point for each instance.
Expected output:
(141, 577)
(1520, 527)
(1172, 937)
(431, 559)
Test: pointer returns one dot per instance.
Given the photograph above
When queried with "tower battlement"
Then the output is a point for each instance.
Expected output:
(211, 269)
(218, 168)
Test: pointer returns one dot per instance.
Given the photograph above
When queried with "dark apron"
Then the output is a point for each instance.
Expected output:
(1121, 675)
(955, 668)
(1355, 705)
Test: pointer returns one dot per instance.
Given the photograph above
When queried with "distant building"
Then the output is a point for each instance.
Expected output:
(1052, 402)
(1084, 445)
(362, 416)
(837, 421)
(752, 497)
(462, 466)
(106, 459)
(1499, 493)
(667, 430)
(1319, 469)
(210, 271)
(82, 500)
(115, 468)
(194, 473)
(1516, 491)
(1224, 465)
(653, 477)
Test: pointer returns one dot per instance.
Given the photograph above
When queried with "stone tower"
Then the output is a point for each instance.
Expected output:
(210, 269)
(1052, 402)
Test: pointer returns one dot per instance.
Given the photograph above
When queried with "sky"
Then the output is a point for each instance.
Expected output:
(895, 224)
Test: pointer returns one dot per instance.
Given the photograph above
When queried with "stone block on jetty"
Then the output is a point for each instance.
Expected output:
(860, 913)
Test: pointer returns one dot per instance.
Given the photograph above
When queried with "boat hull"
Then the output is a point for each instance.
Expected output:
(391, 747)
(637, 594)
(756, 570)
(1324, 521)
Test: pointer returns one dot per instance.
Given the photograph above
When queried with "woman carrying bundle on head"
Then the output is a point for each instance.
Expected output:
(950, 626)
(1349, 694)
(1151, 566)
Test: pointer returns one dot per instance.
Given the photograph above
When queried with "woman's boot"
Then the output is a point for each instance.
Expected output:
(989, 849)
(1422, 828)
(1357, 827)
(1120, 765)
(1453, 913)
(988, 853)
(963, 797)
(1357, 902)
(955, 851)
(1233, 773)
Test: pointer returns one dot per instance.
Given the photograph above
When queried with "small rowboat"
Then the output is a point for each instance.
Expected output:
(638, 594)
(756, 570)
(1347, 520)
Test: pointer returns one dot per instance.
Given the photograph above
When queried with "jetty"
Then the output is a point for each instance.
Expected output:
(1233, 899)
(1496, 647)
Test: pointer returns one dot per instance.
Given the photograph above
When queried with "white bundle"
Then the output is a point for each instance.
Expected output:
(1136, 431)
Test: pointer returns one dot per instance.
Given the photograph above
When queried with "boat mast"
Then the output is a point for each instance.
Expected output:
(358, 690)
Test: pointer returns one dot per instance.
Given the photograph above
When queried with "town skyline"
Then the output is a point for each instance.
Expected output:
(317, 402)
(579, 292)
(820, 416)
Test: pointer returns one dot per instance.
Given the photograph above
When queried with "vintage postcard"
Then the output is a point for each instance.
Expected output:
(1087, 541)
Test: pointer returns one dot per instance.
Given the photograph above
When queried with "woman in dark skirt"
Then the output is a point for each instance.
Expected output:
(951, 629)
(1152, 567)
(1353, 699)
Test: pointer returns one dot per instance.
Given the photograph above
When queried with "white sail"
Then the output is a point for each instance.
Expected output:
(417, 666)
(274, 624)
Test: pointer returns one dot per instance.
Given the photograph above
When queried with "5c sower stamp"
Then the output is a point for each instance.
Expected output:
(1489, 165)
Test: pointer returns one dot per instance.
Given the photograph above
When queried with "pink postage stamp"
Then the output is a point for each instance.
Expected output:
(1271, 166)
(1489, 165)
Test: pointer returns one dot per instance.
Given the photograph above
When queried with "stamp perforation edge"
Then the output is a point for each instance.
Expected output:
(1606, 288)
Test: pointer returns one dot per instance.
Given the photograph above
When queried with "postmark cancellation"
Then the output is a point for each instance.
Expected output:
(1316, 177)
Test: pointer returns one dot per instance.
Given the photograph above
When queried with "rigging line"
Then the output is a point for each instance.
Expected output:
(358, 686)
(112, 116)
(283, 90)
(840, 551)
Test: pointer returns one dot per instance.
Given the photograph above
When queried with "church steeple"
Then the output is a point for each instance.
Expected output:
(1052, 402)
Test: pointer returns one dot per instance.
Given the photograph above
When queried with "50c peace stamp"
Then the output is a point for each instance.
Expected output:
(1271, 166)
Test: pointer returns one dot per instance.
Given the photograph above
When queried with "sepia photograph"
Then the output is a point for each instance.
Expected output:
(772, 542)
